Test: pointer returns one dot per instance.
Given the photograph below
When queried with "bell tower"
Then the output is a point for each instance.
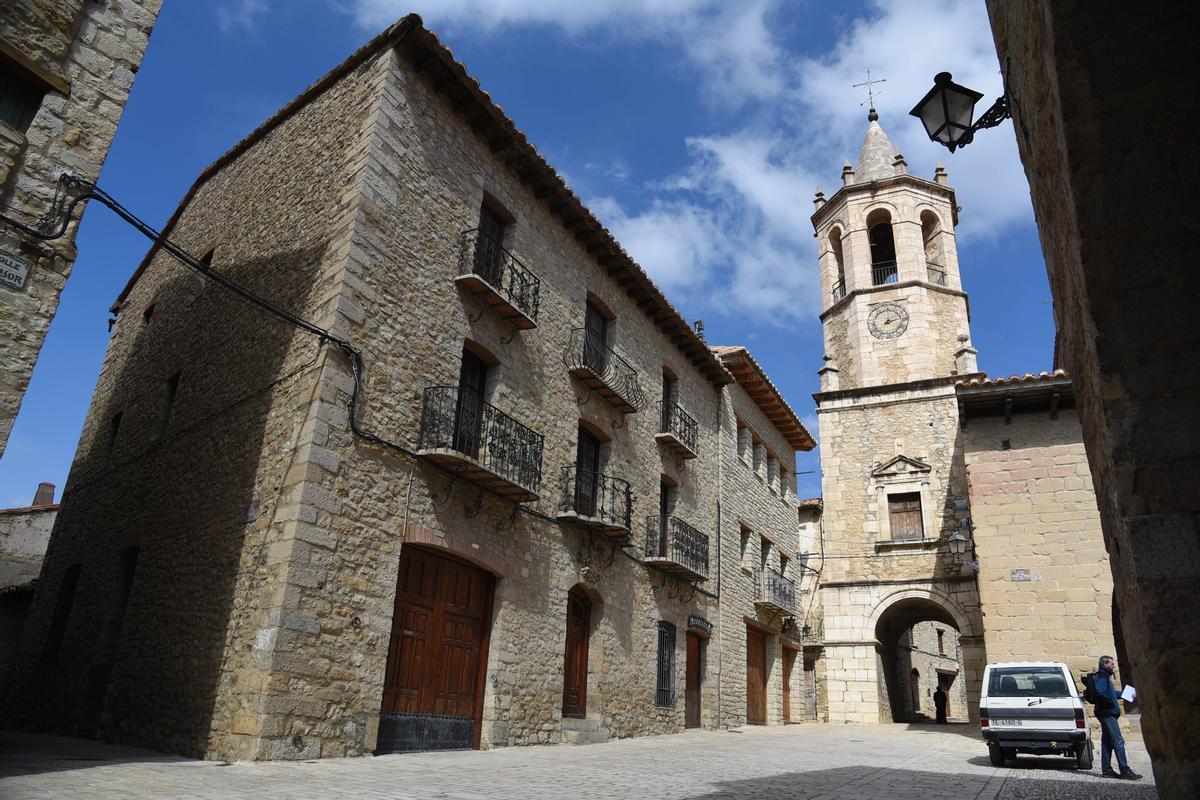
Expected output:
(893, 308)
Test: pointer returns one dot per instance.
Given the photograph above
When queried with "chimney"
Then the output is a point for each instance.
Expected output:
(940, 176)
(44, 496)
(847, 174)
(819, 198)
(699, 326)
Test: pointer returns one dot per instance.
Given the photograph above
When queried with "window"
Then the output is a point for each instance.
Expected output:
(58, 623)
(760, 458)
(468, 418)
(745, 547)
(764, 552)
(587, 473)
(670, 390)
(941, 641)
(113, 428)
(664, 690)
(783, 565)
(595, 341)
(20, 94)
(772, 473)
(745, 442)
(904, 516)
(835, 247)
(172, 391)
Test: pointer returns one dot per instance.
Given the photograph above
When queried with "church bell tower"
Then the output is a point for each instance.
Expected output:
(893, 308)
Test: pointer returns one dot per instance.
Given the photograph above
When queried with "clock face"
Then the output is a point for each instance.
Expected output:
(888, 321)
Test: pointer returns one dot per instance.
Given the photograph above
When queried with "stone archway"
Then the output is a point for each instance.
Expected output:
(899, 612)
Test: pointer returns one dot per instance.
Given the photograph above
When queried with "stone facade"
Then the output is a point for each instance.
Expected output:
(928, 656)
(24, 536)
(73, 61)
(267, 524)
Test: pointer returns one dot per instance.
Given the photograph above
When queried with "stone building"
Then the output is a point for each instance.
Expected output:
(24, 536)
(489, 492)
(928, 657)
(920, 451)
(66, 68)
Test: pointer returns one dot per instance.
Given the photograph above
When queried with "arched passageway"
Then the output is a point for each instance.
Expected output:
(901, 657)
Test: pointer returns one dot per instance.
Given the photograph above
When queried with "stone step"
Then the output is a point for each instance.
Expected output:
(584, 731)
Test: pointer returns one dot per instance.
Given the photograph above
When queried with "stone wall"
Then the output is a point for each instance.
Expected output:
(1126, 336)
(921, 650)
(1044, 578)
(85, 55)
(24, 535)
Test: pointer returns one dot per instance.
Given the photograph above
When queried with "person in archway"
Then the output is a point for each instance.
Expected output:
(939, 703)
(1108, 709)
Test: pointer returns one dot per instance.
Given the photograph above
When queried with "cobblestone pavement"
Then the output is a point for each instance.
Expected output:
(808, 762)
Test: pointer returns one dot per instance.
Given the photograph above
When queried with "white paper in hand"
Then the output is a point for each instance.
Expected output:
(1129, 694)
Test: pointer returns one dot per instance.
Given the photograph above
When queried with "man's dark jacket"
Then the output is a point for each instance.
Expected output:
(1107, 699)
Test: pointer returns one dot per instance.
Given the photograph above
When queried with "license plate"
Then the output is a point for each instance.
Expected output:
(1007, 723)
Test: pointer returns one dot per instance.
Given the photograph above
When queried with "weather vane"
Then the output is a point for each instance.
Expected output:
(870, 84)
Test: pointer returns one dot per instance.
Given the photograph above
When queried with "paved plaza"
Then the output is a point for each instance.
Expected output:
(813, 762)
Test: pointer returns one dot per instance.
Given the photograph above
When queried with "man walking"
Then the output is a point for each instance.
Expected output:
(939, 703)
(1108, 709)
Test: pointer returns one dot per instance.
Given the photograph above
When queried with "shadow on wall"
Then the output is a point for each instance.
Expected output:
(179, 478)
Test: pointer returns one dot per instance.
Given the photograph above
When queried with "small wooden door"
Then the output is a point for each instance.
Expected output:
(789, 661)
(810, 690)
(433, 684)
(595, 343)
(468, 423)
(756, 677)
(587, 473)
(575, 664)
(691, 697)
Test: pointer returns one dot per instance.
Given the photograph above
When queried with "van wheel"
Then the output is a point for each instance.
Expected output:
(1083, 756)
(996, 755)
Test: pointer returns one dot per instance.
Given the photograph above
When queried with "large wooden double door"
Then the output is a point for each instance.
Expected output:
(437, 655)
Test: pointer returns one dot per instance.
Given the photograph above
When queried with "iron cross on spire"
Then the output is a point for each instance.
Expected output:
(871, 93)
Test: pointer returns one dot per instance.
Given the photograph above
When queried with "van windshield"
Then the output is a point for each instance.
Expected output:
(1028, 682)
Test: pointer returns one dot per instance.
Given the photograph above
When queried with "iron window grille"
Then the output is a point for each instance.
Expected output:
(664, 690)
(671, 538)
(597, 496)
(458, 419)
(936, 273)
(481, 255)
(679, 424)
(778, 590)
(586, 351)
(884, 272)
(839, 290)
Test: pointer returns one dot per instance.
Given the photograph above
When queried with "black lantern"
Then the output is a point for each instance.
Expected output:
(958, 545)
(947, 111)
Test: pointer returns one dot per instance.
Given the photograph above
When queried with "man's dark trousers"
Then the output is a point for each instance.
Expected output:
(1112, 741)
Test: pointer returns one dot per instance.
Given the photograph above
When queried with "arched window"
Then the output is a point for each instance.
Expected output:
(931, 236)
(883, 247)
(835, 247)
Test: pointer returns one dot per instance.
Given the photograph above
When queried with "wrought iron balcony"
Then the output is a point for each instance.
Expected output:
(776, 593)
(493, 449)
(839, 290)
(606, 373)
(937, 273)
(678, 432)
(488, 270)
(676, 547)
(884, 272)
(596, 501)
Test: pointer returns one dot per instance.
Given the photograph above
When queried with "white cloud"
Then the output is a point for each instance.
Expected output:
(242, 14)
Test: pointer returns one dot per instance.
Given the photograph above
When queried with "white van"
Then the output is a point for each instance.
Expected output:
(1033, 707)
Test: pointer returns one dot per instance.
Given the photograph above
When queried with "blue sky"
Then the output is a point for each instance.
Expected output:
(696, 130)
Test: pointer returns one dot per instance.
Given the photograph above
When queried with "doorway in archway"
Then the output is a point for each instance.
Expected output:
(917, 645)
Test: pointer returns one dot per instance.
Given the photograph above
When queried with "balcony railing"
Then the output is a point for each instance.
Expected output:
(674, 546)
(883, 272)
(596, 364)
(937, 273)
(839, 290)
(776, 593)
(678, 431)
(487, 269)
(596, 500)
(812, 632)
(459, 428)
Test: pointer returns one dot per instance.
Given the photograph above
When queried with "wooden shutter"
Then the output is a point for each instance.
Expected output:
(904, 512)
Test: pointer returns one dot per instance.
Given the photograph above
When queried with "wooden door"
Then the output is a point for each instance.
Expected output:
(489, 260)
(756, 677)
(575, 664)
(691, 690)
(468, 423)
(433, 684)
(587, 473)
(789, 661)
(595, 342)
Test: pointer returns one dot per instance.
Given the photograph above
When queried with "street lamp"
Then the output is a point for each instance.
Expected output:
(958, 545)
(947, 109)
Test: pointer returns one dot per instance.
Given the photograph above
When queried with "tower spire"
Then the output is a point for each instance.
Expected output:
(877, 158)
